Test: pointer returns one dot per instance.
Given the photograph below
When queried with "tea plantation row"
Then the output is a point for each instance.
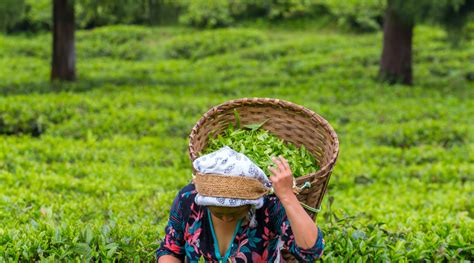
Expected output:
(88, 170)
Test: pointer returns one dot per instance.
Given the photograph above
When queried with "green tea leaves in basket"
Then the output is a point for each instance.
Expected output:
(260, 145)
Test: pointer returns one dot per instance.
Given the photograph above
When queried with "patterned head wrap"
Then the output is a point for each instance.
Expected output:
(226, 161)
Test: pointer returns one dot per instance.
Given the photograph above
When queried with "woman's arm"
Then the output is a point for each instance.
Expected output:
(304, 228)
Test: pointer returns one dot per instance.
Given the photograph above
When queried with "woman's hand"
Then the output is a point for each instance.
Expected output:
(282, 179)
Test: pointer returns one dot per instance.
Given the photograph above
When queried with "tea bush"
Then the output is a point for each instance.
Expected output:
(207, 43)
(88, 170)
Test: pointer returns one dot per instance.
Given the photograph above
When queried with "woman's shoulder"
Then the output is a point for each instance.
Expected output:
(184, 200)
(187, 193)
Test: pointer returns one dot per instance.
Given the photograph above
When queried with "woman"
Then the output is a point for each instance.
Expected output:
(218, 219)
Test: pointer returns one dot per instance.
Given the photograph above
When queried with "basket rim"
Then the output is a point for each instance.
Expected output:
(275, 102)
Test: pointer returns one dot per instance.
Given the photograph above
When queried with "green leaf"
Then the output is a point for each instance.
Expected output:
(254, 127)
(83, 249)
(237, 119)
(111, 249)
(88, 235)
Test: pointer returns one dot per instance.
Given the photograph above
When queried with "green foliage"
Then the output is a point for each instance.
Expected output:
(274, 9)
(124, 42)
(208, 43)
(38, 16)
(93, 13)
(207, 14)
(10, 12)
(88, 170)
(434, 11)
(452, 14)
(288, 9)
(360, 15)
(429, 131)
(260, 145)
(218, 13)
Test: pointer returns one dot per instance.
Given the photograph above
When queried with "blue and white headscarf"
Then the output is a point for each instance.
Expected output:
(226, 161)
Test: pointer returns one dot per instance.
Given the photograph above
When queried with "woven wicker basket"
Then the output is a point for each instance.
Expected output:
(288, 121)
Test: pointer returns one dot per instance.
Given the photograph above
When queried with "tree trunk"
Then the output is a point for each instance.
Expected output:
(396, 62)
(64, 55)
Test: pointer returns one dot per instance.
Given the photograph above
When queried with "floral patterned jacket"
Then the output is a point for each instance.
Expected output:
(190, 234)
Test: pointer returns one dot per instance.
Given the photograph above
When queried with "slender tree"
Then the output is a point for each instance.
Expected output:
(400, 18)
(64, 53)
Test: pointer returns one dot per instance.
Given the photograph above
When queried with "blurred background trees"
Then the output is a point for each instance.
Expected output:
(36, 15)
(360, 16)
(399, 21)
(10, 13)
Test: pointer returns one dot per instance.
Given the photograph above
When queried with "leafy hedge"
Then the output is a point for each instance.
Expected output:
(35, 15)
(208, 43)
(359, 15)
(88, 170)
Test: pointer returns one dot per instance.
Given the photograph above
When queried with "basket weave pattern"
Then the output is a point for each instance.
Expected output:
(288, 121)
